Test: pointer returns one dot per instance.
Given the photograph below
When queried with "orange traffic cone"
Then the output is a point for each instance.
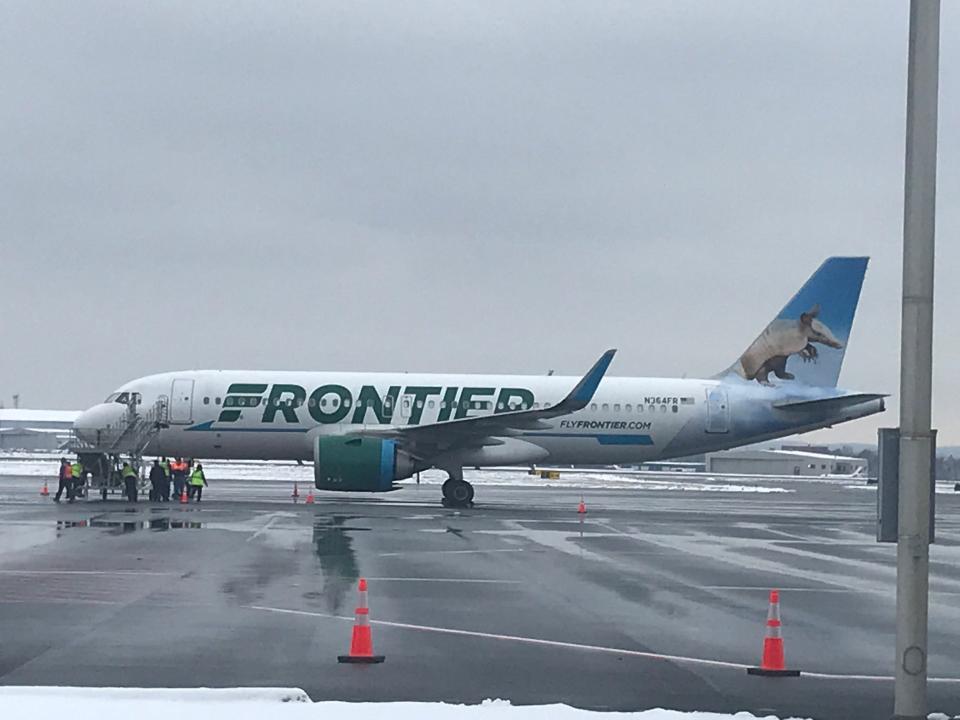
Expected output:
(361, 645)
(309, 499)
(183, 497)
(296, 492)
(44, 491)
(772, 663)
(582, 507)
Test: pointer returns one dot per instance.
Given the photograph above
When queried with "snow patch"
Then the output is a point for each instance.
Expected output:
(258, 703)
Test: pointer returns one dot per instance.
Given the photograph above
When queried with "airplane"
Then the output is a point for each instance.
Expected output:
(365, 432)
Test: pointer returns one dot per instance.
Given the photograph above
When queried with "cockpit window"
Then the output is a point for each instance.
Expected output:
(122, 398)
(112, 397)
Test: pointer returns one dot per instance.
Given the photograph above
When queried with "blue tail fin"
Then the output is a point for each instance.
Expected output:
(807, 340)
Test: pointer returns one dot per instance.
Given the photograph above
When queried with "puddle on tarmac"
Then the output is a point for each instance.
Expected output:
(122, 527)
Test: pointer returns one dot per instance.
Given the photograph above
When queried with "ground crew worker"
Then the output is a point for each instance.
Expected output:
(77, 472)
(66, 481)
(156, 480)
(179, 468)
(129, 476)
(187, 475)
(165, 484)
(198, 481)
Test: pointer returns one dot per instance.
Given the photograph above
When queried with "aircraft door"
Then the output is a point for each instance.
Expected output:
(718, 411)
(181, 401)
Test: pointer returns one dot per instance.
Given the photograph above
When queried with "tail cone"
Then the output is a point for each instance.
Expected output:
(772, 663)
(361, 644)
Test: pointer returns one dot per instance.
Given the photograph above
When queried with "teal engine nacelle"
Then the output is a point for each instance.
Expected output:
(359, 464)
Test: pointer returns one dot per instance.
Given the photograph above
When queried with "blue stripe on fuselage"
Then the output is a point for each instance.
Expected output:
(603, 439)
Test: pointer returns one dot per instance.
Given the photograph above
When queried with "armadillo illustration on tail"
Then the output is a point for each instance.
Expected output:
(781, 339)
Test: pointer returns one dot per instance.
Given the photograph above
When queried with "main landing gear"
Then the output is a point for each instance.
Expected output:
(457, 492)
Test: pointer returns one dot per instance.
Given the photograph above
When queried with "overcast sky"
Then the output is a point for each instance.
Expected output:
(453, 186)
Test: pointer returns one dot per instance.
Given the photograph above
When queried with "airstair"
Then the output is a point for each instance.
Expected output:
(130, 435)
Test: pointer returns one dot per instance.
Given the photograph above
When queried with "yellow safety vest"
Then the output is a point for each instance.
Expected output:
(197, 477)
(129, 472)
(77, 470)
(166, 468)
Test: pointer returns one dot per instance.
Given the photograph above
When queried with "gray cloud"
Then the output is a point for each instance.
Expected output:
(450, 186)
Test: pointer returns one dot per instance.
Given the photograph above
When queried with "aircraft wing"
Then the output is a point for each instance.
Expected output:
(425, 440)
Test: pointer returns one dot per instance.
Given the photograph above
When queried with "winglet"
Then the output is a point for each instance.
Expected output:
(581, 395)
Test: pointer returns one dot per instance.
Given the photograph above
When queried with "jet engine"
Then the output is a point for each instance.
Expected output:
(359, 464)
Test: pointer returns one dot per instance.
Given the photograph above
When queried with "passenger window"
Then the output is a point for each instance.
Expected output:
(419, 403)
(593, 407)
(628, 407)
(606, 407)
(312, 402)
(616, 407)
(499, 406)
(216, 401)
(652, 408)
(639, 408)
(663, 408)
(335, 401)
(229, 402)
(676, 409)
(206, 401)
(346, 402)
(323, 402)
(430, 404)
(536, 406)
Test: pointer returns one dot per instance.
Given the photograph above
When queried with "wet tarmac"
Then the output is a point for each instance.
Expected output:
(654, 598)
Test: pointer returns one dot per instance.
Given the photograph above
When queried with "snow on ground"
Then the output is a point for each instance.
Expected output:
(258, 703)
(45, 465)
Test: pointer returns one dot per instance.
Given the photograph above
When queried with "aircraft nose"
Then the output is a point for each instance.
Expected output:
(91, 423)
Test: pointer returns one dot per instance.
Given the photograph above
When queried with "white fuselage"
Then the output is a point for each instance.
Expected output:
(279, 415)
(629, 419)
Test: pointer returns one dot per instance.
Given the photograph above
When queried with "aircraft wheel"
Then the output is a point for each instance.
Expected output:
(445, 488)
(459, 494)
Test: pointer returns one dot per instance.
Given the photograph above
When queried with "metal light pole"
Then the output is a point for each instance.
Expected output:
(916, 360)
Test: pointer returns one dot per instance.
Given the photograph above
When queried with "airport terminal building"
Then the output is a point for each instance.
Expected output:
(35, 430)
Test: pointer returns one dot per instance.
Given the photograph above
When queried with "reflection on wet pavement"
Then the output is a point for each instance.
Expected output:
(338, 561)
(120, 527)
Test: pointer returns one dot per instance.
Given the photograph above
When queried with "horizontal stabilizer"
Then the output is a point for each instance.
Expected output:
(830, 403)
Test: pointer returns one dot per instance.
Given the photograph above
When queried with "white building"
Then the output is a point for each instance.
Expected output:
(35, 430)
(784, 462)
